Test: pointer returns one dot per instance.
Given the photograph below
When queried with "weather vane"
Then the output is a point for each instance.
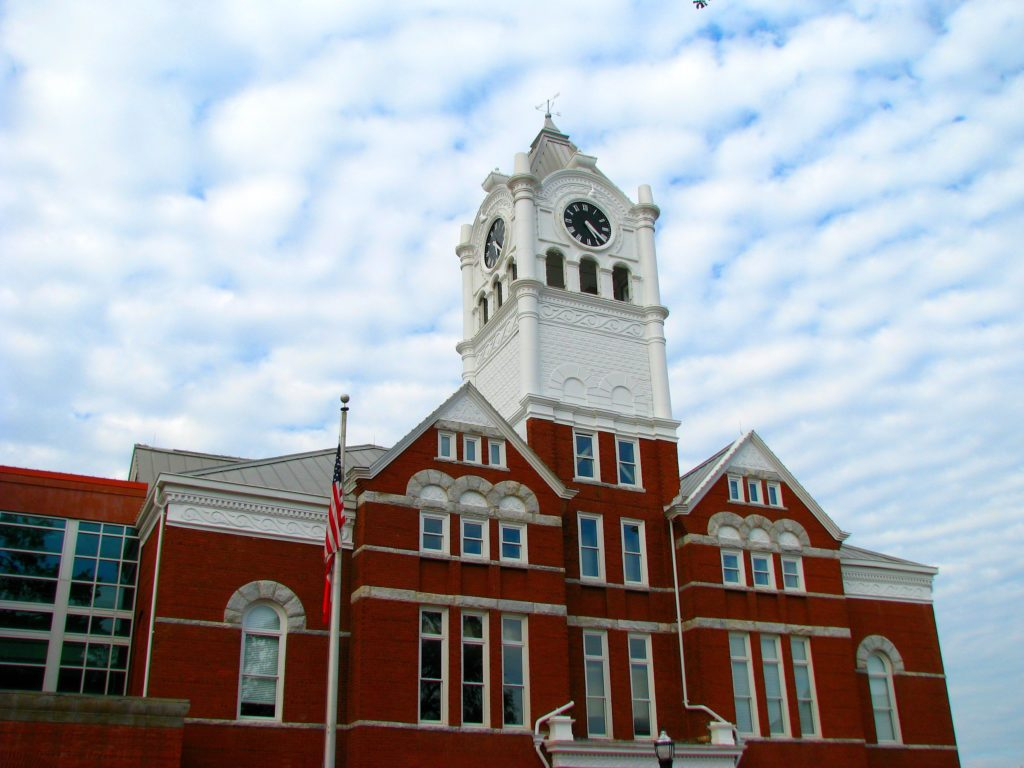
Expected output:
(701, 3)
(546, 106)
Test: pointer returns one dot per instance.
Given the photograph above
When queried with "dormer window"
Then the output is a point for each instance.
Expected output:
(588, 276)
(620, 283)
(555, 269)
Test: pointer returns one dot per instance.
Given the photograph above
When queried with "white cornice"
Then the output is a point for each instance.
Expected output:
(560, 412)
(887, 583)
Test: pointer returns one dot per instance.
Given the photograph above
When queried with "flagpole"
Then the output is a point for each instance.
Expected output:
(331, 731)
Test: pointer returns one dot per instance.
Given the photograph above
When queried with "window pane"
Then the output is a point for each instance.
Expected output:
(21, 678)
(111, 546)
(84, 569)
(37, 620)
(106, 572)
(512, 629)
(590, 564)
(69, 681)
(472, 627)
(260, 655)
(29, 563)
(638, 678)
(472, 704)
(588, 532)
(637, 648)
(512, 666)
(641, 718)
(34, 539)
(259, 690)
(473, 663)
(73, 654)
(17, 651)
(430, 623)
(87, 544)
(512, 706)
(27, 590)
(632, 568)
(98, 656)
(430, 659)
(430, 700)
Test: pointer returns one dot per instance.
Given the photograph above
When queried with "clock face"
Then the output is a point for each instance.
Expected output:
(587, 223)
(495, 243)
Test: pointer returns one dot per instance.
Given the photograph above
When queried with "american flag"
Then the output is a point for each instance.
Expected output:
(332, 539)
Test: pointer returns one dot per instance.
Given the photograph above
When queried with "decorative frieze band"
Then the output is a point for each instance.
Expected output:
(882, 584)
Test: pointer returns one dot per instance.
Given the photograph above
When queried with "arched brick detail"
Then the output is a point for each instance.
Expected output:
(426, 477)
(468, 483)
(759, 521)
(726, 518)
(873, 643)
(518, 490)
(792, 526)
(271, 591)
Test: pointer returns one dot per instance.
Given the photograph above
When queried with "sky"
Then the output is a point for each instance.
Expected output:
(216, 217)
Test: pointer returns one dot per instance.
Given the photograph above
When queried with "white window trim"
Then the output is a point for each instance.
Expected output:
(576, 457)
(888, 677)
(748, 662)
(485, 526)
(451, 455)
(742, 567)
(770, 560)
(525, 645)
(783, 694)
(778, 493)
(649, 664)
(485, 713)
(636, 462)
(445, 548)
(282, 637)
(607, 698)
(598, 520)
(802, 586)
(809, 664)
(444, 663)
(739, 488)
(493, 443)
(475, 441)
(643, 551)
(522, 528)
(754, 491)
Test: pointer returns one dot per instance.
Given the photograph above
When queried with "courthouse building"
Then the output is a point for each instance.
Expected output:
(526, 577)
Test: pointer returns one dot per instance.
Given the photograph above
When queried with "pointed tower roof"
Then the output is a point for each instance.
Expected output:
(551, 150)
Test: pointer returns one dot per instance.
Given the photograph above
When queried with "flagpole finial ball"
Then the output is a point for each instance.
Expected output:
(344, 398)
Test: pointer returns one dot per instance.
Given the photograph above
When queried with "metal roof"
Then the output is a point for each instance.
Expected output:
(149, 462)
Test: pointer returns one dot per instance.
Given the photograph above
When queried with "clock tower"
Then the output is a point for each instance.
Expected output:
(562, 314)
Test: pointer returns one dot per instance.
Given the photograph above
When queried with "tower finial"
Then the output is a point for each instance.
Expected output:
(546, 104)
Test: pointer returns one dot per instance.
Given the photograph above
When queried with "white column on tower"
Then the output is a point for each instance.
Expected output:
(464, 251)
(647, 213)
(523, 186)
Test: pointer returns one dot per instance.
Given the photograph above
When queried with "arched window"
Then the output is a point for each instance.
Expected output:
(588, 276)
(260, 681)
(483, 311)
(620, 283)
(555, 264)
(883, 698)
(498, 298)
(512, 270)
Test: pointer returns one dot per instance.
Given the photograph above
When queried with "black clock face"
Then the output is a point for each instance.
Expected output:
(495, 243)
(587, 223)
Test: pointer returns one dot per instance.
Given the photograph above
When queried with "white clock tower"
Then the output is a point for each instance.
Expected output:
(562, 315)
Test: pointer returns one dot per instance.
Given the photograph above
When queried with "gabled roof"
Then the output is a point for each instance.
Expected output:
(308, 472)
(748, 451)
(467, 406)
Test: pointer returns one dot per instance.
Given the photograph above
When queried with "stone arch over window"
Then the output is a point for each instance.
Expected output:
(794, 529)
(430, 486)
(726, 519)
(879, 644)
(472, 499)
(755, 523)
(467, 484)
(759, 538)
(621, 287)
(554, 268)
(588, 275)
(267, 591)
(503, 493)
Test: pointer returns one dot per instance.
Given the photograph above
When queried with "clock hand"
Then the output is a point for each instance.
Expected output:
(601, 238)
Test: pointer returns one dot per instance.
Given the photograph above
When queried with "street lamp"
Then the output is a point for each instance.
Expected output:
(664, 748)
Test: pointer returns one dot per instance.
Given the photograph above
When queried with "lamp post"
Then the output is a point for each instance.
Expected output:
(664, 748)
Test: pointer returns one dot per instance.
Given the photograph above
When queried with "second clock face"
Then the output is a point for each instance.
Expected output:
(495, 243)
(587, 223)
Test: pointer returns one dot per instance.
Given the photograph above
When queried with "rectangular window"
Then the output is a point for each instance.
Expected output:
(513, 542)
(474, 669)
(496, 453)
(591, 547)
(433, 533)
(595, 662)
(742, 683)
(433, 665)
(514, 674)
(735, 488)
(628, 460)
(753, 491)
(792, 573)
(763, 571)
(585, 452)
(732, 568)
(641, 680)
(774, 686)
(774, 494)
(634, 552)
(445, 445)
(471, 449)
(803, 676)
(474, 538)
